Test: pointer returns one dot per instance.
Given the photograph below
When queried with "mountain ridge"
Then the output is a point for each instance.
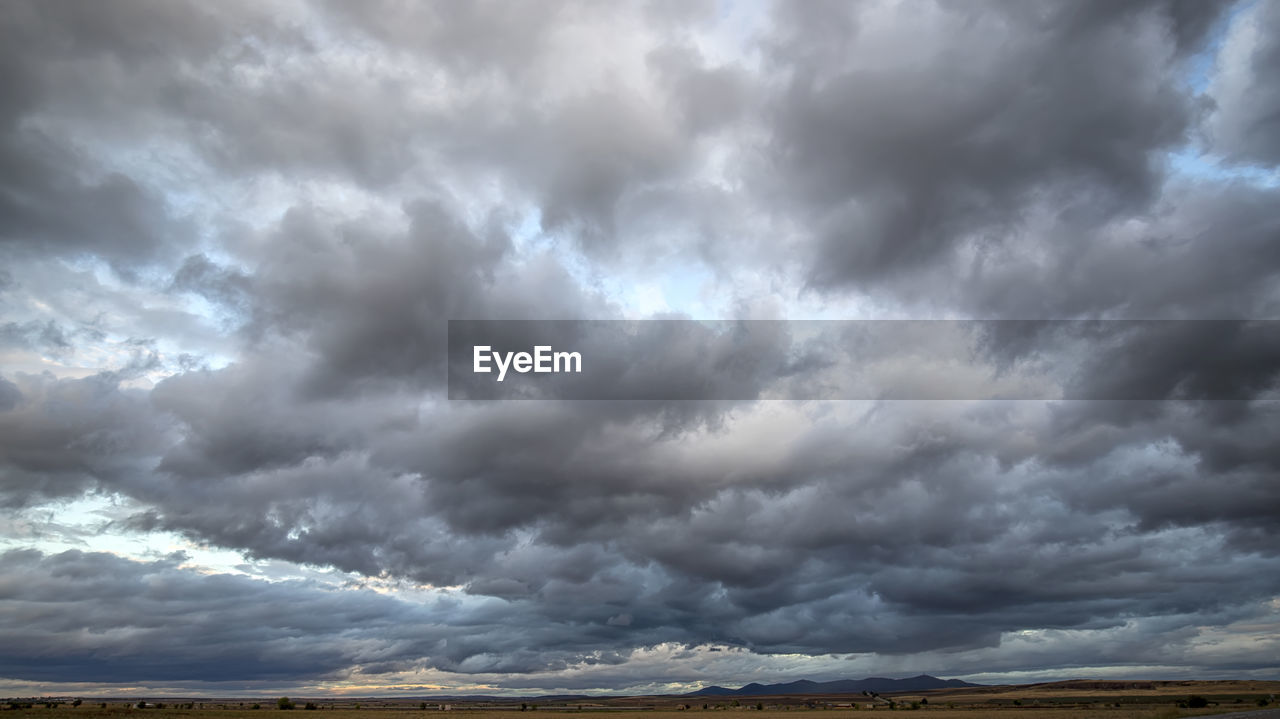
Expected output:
(879, 685)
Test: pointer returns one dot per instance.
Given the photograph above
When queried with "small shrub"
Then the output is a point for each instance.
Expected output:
(256, 706)
(1195, 701)
(284, 703)
(311, 706)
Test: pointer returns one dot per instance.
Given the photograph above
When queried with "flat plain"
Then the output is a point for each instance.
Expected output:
(1082, 699)
(971, 712)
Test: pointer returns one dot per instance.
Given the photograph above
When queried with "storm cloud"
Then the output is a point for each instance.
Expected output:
(232, 238)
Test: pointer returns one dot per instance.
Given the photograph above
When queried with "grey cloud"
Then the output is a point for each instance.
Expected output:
(1244, 125)
(707, 98)
(754, 568)
(40, 206)
(47, 335)
(10, 395)
(62, 437)
(100, 618)
(54, 194)
(1191, 360)
(224, 286)
(374, 307)
(476, 38)
(1204, 252)
(904, 160)
(325, 126)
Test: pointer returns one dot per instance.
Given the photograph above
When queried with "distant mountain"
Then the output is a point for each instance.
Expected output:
(712, 691)
(879, 685)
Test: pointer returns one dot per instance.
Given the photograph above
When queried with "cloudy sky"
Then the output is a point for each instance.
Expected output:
(232, 235)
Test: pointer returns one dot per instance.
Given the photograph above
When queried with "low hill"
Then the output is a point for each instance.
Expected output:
(879, 685)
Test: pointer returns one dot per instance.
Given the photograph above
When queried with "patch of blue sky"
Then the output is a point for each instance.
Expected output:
(686, 289)
(93, 523)
(1194, 162)
(526, 231)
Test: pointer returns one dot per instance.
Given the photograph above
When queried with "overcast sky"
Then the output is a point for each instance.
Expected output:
(232, 233)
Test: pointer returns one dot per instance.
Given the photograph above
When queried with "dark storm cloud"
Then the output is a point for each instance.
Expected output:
(371, 305)
(41, 208)
(1205, 252)
(756, 559)
(100, 618)
(445, 161)
(1170, 359)
(1018, 183)
(967, 117)
(60, 436)
(63, 61)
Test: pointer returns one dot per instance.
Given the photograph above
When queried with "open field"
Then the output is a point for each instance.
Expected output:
(1129, 709)
(973, 712)
(1083, 699)
(1134, 711)
(1126, 691)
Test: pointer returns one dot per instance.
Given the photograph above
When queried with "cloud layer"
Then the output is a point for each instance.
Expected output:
(231, 238)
